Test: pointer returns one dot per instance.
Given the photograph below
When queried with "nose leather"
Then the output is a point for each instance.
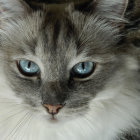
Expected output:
(52, 109)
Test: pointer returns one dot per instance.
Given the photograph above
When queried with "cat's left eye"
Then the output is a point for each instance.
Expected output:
(28, 68)
(83, 69)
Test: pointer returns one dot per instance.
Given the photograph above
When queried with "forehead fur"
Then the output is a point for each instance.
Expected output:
(65, 24)
(58, 24)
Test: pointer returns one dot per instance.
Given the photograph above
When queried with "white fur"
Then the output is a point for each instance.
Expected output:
(114, 110)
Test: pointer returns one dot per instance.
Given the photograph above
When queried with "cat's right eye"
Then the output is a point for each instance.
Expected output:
(28, 68)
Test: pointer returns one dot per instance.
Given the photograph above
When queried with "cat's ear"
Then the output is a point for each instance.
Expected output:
(106, 8)
(112, 8)
(12, 9)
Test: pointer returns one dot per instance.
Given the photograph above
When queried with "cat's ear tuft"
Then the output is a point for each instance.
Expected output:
(12, 9)
(106, 8)
(112, 7)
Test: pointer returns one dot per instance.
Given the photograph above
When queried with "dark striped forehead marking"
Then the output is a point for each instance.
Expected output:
(55, 25)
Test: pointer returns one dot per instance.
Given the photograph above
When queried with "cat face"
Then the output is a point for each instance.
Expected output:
(61, 56)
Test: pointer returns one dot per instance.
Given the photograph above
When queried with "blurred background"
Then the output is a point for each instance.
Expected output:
(55, 1)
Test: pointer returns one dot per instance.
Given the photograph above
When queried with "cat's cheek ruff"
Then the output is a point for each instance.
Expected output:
(106, 117)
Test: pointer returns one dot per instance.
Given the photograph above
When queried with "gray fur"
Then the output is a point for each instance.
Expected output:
(54, 39)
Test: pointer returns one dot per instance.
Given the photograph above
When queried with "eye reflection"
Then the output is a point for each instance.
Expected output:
(28, 68)
(83, 69)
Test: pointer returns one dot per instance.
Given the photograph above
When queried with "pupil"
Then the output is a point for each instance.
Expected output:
(29, 64)
(83, 65)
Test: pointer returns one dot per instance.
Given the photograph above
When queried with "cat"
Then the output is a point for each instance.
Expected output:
(62, 75)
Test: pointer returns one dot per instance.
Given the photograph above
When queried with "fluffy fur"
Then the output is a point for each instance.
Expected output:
(105, 106)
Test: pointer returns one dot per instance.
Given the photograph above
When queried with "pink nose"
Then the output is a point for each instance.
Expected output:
(52, 109)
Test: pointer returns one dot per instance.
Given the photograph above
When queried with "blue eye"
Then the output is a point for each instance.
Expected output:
(83, 69)
(28, 68)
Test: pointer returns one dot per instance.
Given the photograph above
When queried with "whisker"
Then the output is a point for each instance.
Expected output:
(10, 117)
(28, 124)
(31, 118)
(21, 128)
(19, 124)
(88, 122)
(6, 113)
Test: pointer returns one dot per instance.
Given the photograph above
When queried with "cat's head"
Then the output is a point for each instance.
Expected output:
(61, 55)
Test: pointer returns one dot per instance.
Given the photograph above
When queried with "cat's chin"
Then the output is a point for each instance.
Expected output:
(64, 116)
(53, 119)
(61, 118)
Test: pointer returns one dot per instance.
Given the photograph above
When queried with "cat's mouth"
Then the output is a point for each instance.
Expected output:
(53, 119)
(53, 110)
